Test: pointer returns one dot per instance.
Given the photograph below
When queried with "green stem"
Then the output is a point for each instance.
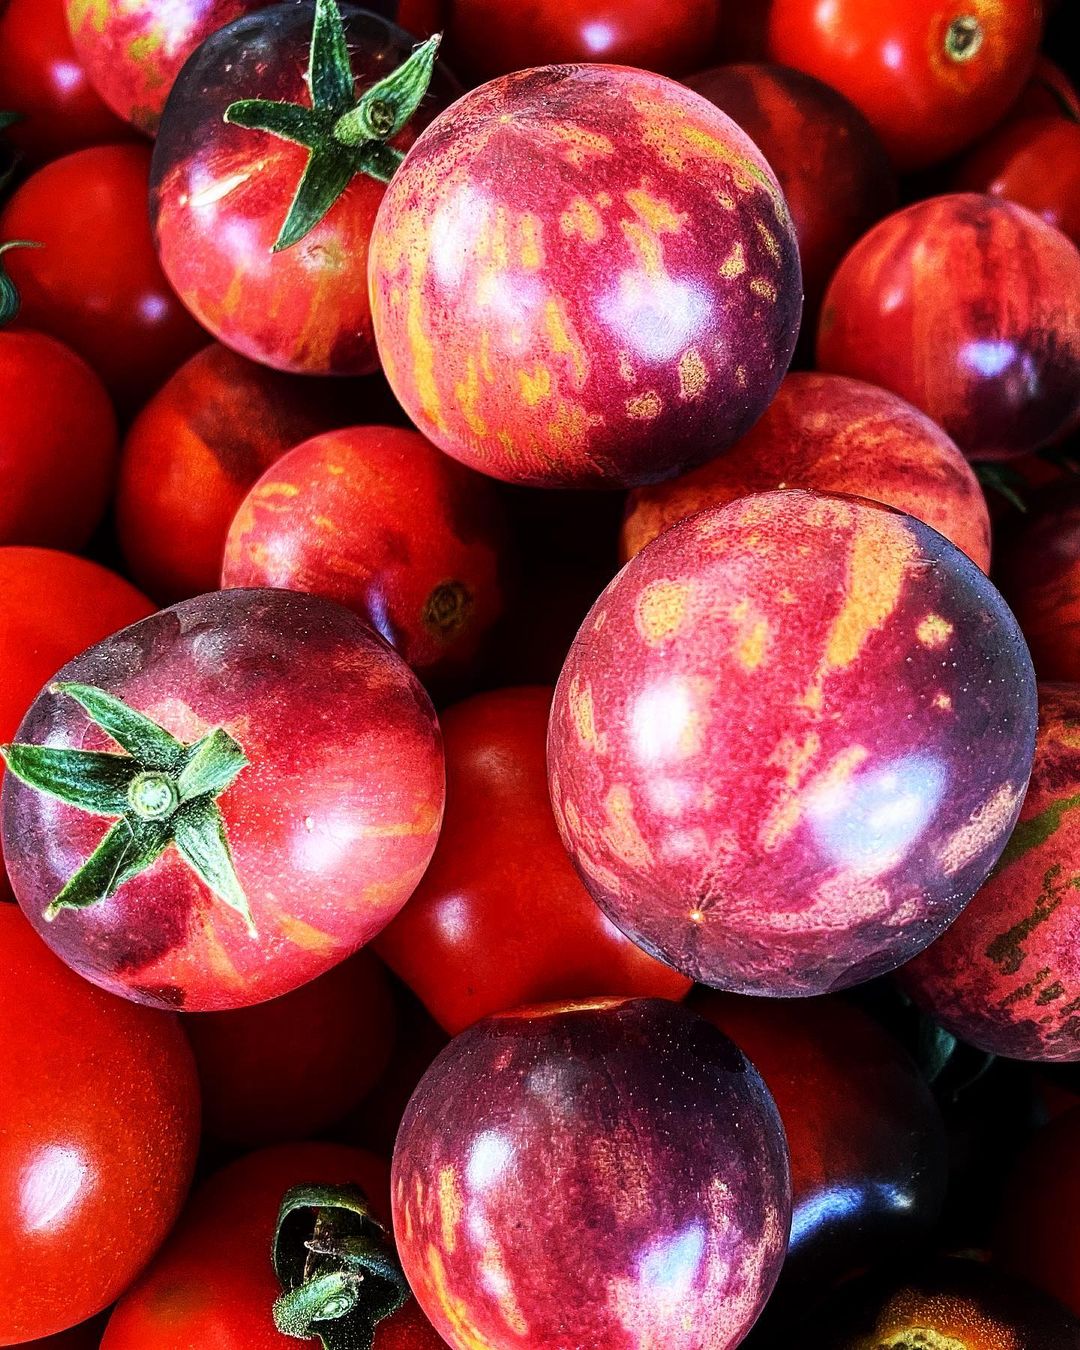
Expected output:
(9, 296)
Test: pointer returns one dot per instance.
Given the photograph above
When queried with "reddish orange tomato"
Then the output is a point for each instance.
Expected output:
(929, 76)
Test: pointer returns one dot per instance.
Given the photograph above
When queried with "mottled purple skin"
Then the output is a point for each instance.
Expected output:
(611, 1174)
(790, 741)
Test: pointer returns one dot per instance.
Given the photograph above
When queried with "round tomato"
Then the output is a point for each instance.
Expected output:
(930, 77)
(96, 283)
(99, 1126)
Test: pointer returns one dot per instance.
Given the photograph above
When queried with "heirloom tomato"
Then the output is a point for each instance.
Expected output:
(1039, 573)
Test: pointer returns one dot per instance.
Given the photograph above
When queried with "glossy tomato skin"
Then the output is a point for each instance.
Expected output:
(618, 1163)
(968, 307)
(220, 194)
(1039, 574)
(213, 1284)
(1006, 976)
(811, 136)
(96, 284)
(470, 941)
(831, 434)
(379, 520)
(331, 825)
(930, 78)
(57, 443)
(99, 1114)
(790, 741)
(584, 276)
(1034, 162)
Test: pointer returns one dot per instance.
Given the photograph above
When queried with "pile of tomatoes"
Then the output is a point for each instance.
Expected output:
(539, 675)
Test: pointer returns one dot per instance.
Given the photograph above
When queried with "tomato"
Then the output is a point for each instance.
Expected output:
(41, 78)
(790, 742)
(471, 942)
(1047, 94)
(930, 77)
(968, 307)
(213, 1284)
(1039, 573)
(290, 1068)
(96, 284)
(584, 275)
(99, 1123)
(279, 800)
(87, 1336)
(379, 520)
(221, 194)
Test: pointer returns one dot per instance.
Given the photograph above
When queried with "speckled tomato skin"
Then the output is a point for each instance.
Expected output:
(831, 434)
(584, 276)
(331, 824)
(220, 194)
(1006, 975)
(379, 520)
(790, 741)
(969, 308)
(609, 1174)
(1039, 574)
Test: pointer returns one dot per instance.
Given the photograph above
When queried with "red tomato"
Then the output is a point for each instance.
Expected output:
(290, 1068)
(471, 941)
(213, 1287)
(99, 1123)
(930, 77)
(57, 443)
(96, 283)
(1047, 94)
(41, 78)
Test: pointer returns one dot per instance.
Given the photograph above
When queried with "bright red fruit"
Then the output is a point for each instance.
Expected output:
(99, 1123)
(584, 275)
(57, 443)
(96, 284)
(472, 941)
(790, 741)
(930, 77)
(379, 520)
(1039, 574)
(279, 800)
(834, 435)
(969, 308)
(1006, 975)
(601, 1174)
(1047, 94)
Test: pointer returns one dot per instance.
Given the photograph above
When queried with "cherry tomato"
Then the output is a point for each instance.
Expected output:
(470, 942)
(930, 77)
(279, 800)
(96, 284)
(99, 1118)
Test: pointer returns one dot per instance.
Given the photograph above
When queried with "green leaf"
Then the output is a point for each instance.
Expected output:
(379, 160)
(9, 296)
(212, 765)
(200, 836)
(288, 121)
(8, 119)
(385, 108)
(86, 779)
(326, 177)
(329, 74)
(150, 744)
(130, 847)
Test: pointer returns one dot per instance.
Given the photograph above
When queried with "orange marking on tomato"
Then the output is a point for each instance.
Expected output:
(583, 712)
(934, 631)
(531, 230)
(661, 610)
(768, 239)
(500, 240)
(943, 701)
(644, 407)
(485, 356)
(740, 376)
(654, 213)
(421, 347)
(751, 650)
(603, 200)
(569, 428)
(535, 385)
(451, 1208)
(456, 1311)
(878, 562)
(988, 822)
(578, 144)
(495, 1278)
(467, 393)
(734, 265)
(426, 821)
(626, 368)
(693, 375)
(763, 288)
(564, 340)
(581, 218)
(622, 834)
(307, 936)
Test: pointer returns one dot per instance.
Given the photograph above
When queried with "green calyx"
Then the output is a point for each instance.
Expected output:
(161, 793)
(343, 135)
(337, 1268)
(9, 296)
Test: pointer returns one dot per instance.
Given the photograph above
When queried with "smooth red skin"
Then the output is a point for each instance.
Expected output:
(1048, 93)
(868, 1147)
(811, 136)
(331, 824)
(790, 741)
(41, 78)
(213, 1284)
(561, 279)
(1039, 573)
(220, 194)
(490, 38)
(379, 520)
(99, 1118)
(834, 435)
(58, 444)
(610, 1174)
(1006, 975)
(293, 1067)
(470, 942)
(889, 58)
(96, 284)
(1037, 1235)
(968, 307)
(1034, 162)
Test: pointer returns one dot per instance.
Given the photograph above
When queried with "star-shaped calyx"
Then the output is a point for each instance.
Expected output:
(161, 793)
(344, 135)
